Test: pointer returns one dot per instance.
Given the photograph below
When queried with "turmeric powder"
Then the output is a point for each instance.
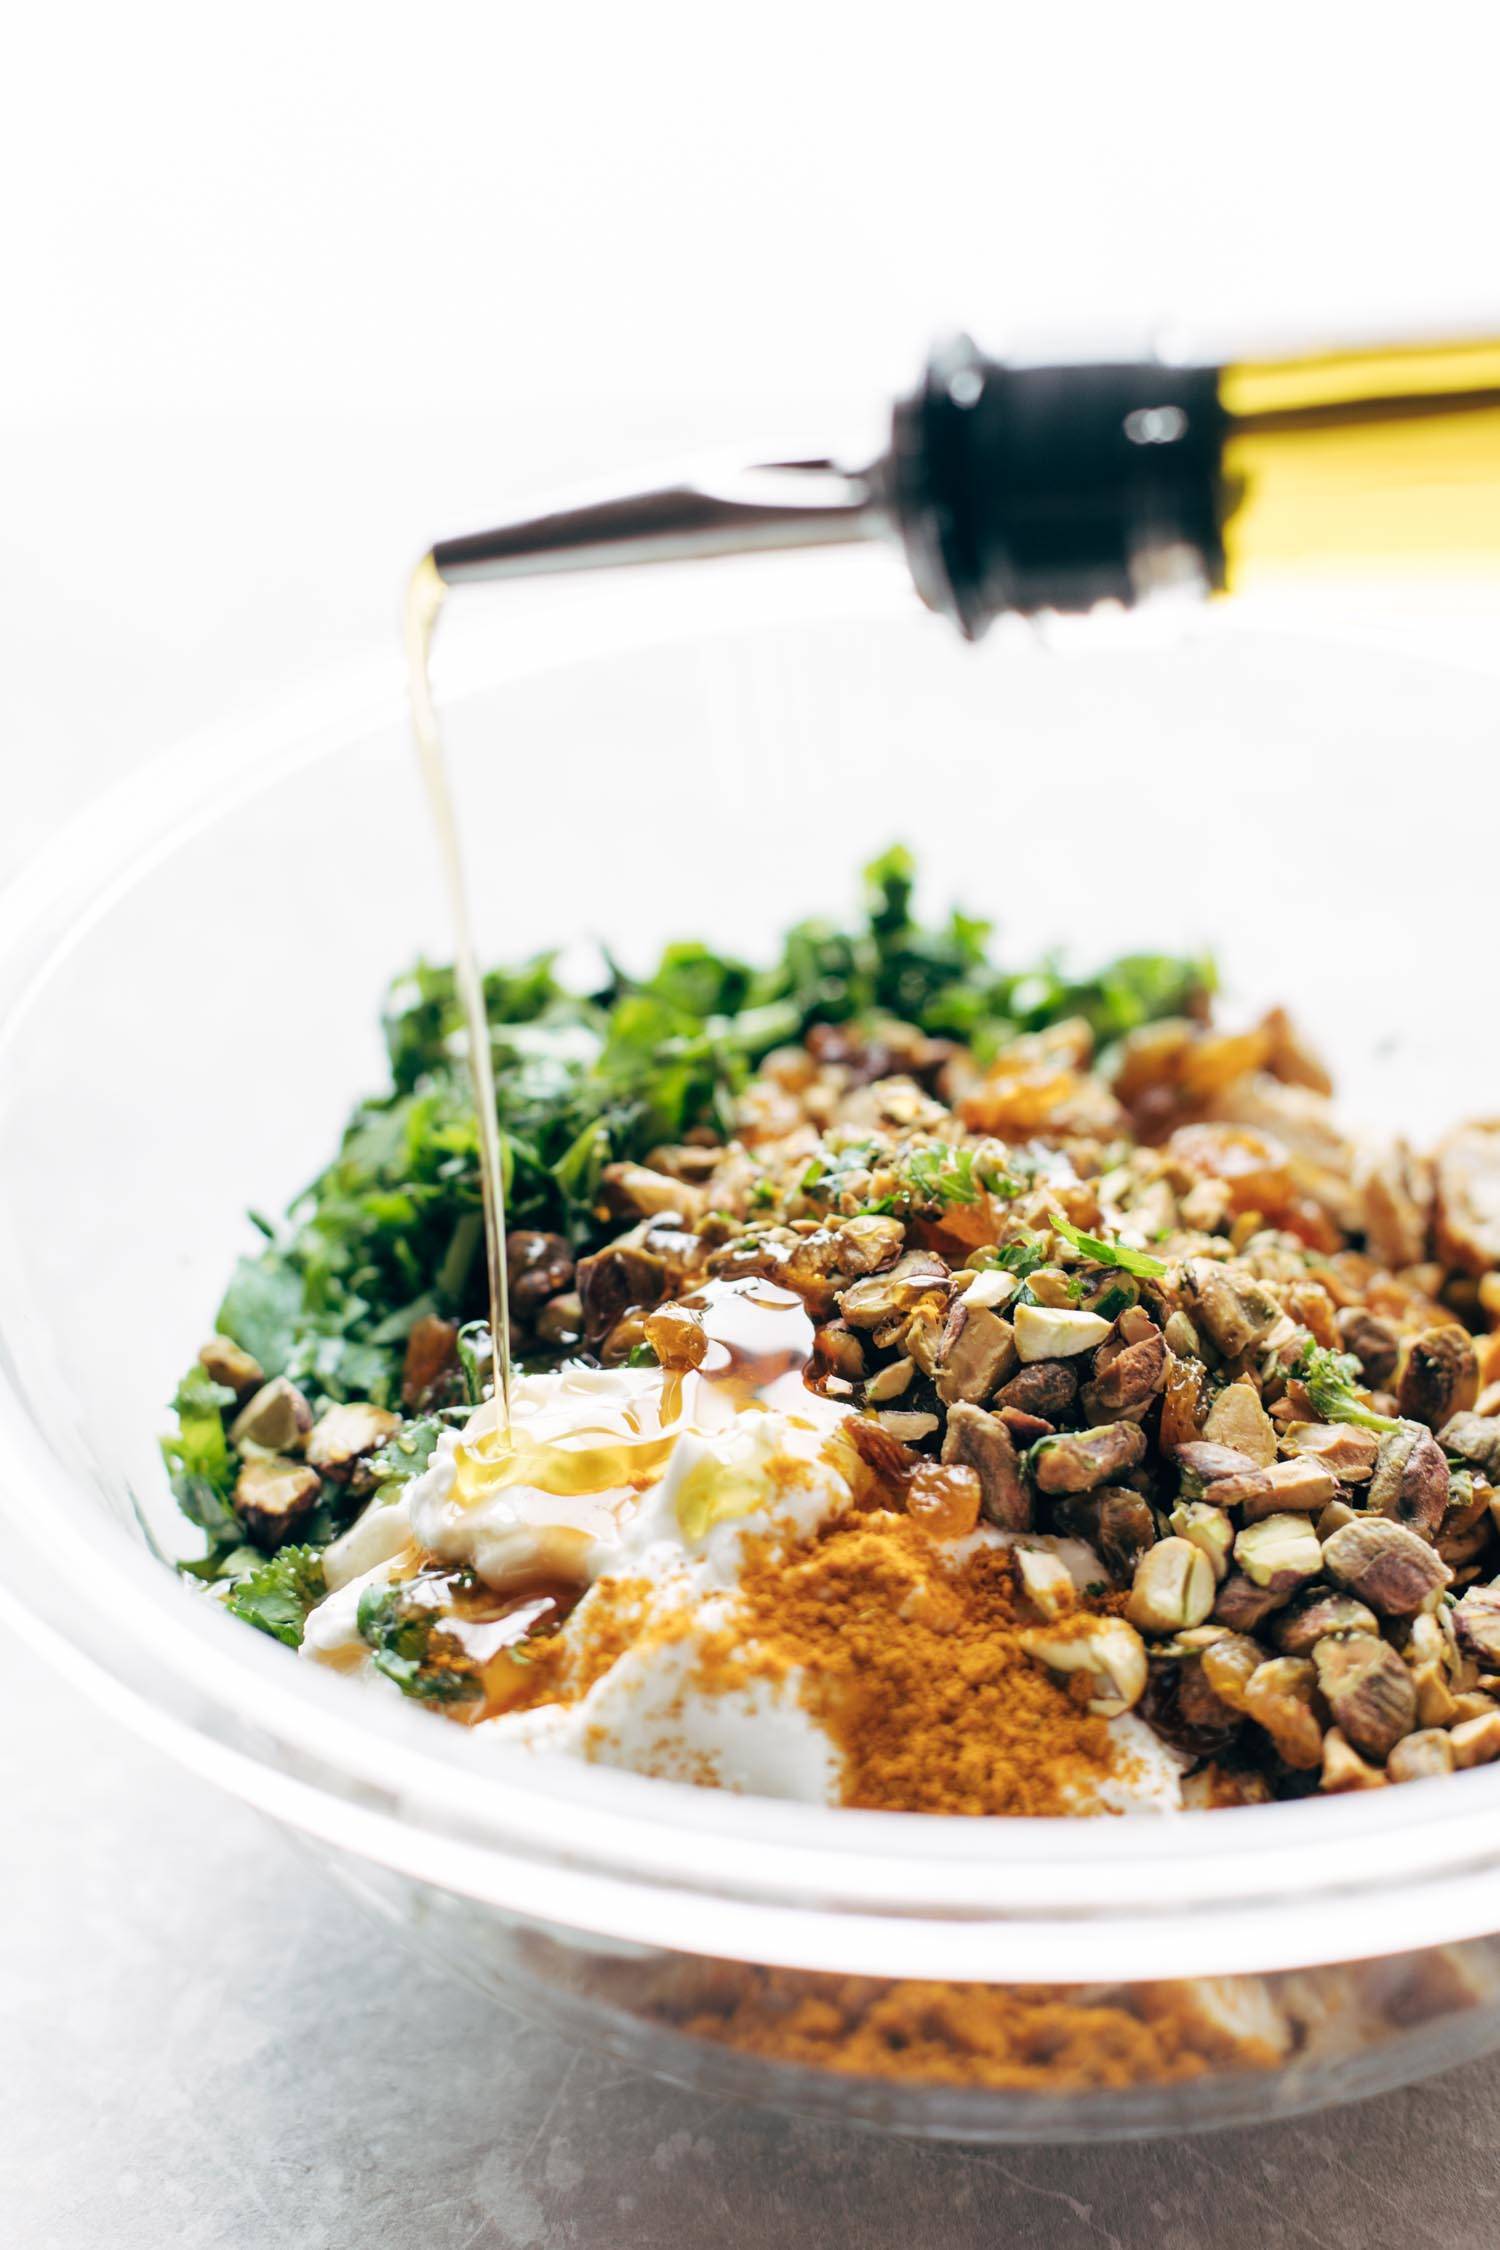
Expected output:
(1039, 2038)
(909, 1654)
(917, 1669)
(1033, 2038)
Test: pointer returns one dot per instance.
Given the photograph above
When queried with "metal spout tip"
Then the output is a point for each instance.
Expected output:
(778, 505)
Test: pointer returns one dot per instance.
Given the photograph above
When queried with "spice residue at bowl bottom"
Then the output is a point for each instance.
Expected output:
(1055, 2038)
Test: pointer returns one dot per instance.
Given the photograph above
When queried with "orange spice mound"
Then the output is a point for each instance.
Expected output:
(1042, 2038)
(914, 1666)
(917, 1671)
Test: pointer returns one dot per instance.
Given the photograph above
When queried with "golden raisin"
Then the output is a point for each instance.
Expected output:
(943, 1497)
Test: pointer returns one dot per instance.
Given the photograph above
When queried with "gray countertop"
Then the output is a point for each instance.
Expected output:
(201, 2042)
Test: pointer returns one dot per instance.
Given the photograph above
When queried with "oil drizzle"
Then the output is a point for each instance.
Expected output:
(758, 1338)
(569, 1467)
(424, 602)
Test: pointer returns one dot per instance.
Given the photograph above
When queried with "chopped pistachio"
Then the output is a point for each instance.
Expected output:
(1279, 1552)
(1107, 1650)
(890, 1382)
(838, 1351)
(1437, 1376)
(1312, 1616)
(1182, 1337)
(1476, 1742)
(991, 1289)
(982, 1443)
(1046, 1581)
(238, 1370)
(1279, 1697)
(975, 1354)
(909, 1429)
(1056, 1332)
(1368, 1689)
(1432, 1638)
(1173, 1587)
(1421, 1756)
(1344, 1769)
(879, 1297)
(1213, 1464)
(272, 1495)
(1228, 1302)
(1476, 1620)
(1082, 1460)
(1385, 1565)
(1436, 1706)
(1347, 1453)
(1238, 1419)
(1209, 1529)
(1284, 1486)
(276, 1419)
(346, 1436)
(1243, 1606)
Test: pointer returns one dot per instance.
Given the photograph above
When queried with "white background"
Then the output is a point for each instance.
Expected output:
(288, 290)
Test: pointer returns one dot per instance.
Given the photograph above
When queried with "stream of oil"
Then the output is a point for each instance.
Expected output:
(424, 602)
(758, 1338)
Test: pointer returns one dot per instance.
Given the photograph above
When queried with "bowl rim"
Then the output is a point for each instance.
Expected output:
(606, 1855)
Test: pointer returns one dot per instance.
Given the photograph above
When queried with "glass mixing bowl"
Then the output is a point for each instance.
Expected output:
(189, 986)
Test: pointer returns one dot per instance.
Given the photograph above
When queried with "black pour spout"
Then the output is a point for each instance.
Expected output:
(1008, 488)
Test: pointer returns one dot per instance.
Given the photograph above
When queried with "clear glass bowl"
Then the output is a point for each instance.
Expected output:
(189, 986)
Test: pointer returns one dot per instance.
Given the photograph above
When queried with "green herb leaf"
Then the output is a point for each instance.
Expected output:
(261, 1309)
(1021, 1257)
(1102, 1253)
(404, 1456)
(199, 1460)
(1331, 1380)
(409, 1646)
(940, 1175)
(277, 1595)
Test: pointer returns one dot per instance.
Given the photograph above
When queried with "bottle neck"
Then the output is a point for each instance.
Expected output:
(1056, 488)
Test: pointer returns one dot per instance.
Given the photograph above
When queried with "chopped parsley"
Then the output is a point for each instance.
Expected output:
(1331, 1380)
(833, 1170)
(941, 1175)
(276, 1595)
(1020, 1257)
(410, 1646)
(406, 1455)
(1102, 1253)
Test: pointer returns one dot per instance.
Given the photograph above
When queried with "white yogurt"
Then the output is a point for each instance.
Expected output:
(764, 1474)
